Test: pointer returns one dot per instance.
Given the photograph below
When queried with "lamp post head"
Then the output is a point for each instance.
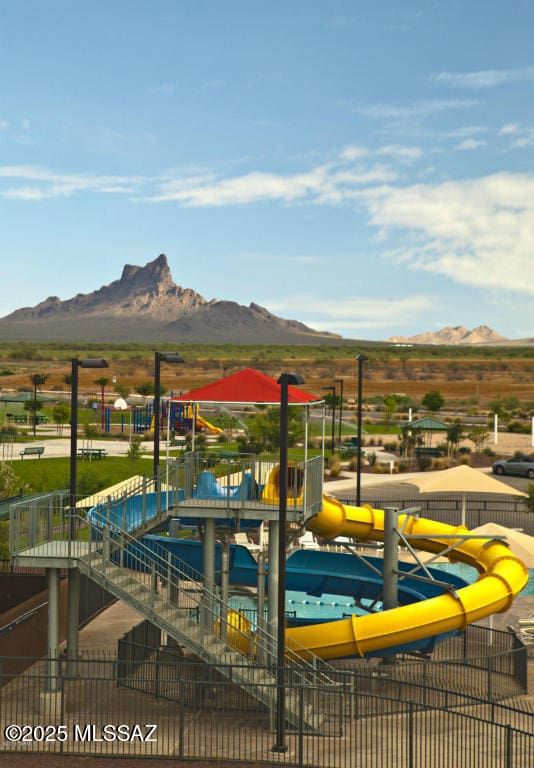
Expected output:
(362, 358)
(169, 357)
(91, 362)
(291, 378)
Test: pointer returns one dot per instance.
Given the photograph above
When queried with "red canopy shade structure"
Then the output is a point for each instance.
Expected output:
(247, 386)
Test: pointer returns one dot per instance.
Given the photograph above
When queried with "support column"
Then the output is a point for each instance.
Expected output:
(272, 584)
(225, 586)
(260, 610)
(208, 564)
(53, 628)
(390, 565)
(73, 621)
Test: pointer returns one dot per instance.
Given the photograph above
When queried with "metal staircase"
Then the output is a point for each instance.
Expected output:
(170, 594)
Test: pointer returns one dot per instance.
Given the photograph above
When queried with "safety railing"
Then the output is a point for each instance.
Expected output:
(101, 542)
(150, 562)
(188, 714)
(234, 480)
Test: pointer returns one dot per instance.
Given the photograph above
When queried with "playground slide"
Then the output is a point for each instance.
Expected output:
(210, 427)
(502, 577)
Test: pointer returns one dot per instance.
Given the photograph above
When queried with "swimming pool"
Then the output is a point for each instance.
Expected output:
(340, 606)
(470, 574)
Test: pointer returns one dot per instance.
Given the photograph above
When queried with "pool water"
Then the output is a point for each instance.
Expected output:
(339, 606)
(471, 574)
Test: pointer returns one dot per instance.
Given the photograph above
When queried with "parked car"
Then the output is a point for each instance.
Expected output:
(517, 465)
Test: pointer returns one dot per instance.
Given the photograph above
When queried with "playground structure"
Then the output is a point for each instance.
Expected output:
(182, 418)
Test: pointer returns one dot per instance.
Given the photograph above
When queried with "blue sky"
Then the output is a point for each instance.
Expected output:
(363, 166)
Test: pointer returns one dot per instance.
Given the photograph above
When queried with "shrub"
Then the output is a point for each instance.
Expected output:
(489, 452)
(380, 469)
(465, 459)
(423, 462)
(518, 428)
(391, 446)
(464, 449)
(334, 466)
(439, 464)
(353, 463)
(402, 466)
(371, 458)
(134, 451)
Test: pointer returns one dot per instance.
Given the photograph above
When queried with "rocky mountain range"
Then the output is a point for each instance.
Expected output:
(458, 334)
(145, 305)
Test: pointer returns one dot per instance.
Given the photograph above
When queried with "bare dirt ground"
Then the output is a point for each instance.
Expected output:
(79, 761)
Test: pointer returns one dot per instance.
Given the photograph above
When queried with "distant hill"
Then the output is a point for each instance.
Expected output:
(145, 305)
(458, 334)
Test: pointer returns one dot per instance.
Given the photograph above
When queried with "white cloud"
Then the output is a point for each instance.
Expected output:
(488, 78)
(350, 315)
(417, 110)
(522, 136)
(468, 144)
(49, 184)
(213, 85)
(509, 129)
(164, 88)
(477, 232)
(4, 125)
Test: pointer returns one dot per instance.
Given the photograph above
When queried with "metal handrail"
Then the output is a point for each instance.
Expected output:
(157, 561)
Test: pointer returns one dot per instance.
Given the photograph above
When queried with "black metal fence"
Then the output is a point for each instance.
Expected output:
(447, 508)
(192, 714)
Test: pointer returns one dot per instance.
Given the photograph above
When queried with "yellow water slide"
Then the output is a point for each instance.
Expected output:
(502, 577)
(210, 427)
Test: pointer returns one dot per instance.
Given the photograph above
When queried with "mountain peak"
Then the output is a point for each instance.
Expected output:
(156, 271)
(457, 334)
(145, 304)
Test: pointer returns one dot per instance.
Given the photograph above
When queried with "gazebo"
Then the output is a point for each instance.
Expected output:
(428, 425)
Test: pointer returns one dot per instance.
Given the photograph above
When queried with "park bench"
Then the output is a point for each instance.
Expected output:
(92, 453)
(436, 453)
(349, 449)
(32, 450)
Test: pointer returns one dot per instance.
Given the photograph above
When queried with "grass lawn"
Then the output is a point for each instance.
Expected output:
(53, 474)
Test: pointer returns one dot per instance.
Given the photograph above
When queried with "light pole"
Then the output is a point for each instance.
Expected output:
(285, 380)
(361, 360)
(160, 357)
(76, 363)
(332, 389)
(340, 382)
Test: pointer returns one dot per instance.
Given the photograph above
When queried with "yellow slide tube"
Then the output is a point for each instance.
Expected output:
(502, 577)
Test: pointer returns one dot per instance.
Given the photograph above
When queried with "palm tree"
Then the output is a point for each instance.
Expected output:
(37, 379)
(102, 382)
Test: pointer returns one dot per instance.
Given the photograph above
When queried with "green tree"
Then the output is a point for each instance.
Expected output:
(412, 438)
(134, 451)
(264, 430)
(479, 436)
(102, 382)
(433, 401)
(37, 379)
(390, 408)
(122, 390)
(145, 389)
(10, 485)
(60, 416)
(454, 435)
(33, 407)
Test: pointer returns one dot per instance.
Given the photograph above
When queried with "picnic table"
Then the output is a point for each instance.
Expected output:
(92, 453)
